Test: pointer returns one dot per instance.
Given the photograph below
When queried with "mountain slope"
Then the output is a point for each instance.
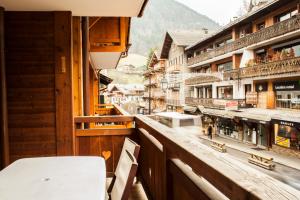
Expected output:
(162, 15)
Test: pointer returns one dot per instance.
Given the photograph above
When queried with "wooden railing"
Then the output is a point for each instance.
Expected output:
(210, 103)
(173, 166)
(102, 136)
(173, 69)
(287, 66)
(276, 30)
(203, 78)
(174, 102)
(290, 65)
(109, 109)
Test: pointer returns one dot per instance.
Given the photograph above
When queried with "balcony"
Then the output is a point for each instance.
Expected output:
(174, 69)
(204, 78)
(273, 68)
(287, 66)
(276, 30)
(172, 165)
(174, 86)
(173, 102)
(213, 103)
(159, 95)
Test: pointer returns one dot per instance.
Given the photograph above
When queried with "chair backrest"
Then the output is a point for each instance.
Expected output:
(130, 146)
(124, 174)
(133, 148)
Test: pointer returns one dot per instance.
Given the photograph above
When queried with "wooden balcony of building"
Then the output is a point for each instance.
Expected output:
(173, 102)
(174, 86)
(204, 78)
(214, 103)
(172, 166)
(174, 69)
(268, 68)
(278, 29)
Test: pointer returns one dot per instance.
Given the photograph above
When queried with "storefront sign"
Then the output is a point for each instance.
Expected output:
(232, 105)
(284, 142)
(261, 87)
(287, 86)
(284, 123)
(251, 98)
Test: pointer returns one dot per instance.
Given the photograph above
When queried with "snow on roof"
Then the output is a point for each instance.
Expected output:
(176, 115)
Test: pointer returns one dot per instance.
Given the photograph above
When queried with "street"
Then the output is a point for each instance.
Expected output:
(281, 172)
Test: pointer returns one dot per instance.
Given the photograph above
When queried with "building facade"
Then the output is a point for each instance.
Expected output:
(248, 77)
(176, 65)
(154, 95)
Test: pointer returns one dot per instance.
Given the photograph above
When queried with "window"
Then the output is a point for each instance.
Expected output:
(286, 15)
(260, 26)
(224, 67)
(225, 92)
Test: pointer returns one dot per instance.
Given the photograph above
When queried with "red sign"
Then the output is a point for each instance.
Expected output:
(232, 105)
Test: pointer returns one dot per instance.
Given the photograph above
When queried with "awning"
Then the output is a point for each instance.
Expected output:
(190, 109)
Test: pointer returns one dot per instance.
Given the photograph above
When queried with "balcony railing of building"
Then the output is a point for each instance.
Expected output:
(276, 30)
(173, 69)
(213, 103)
(174, 102)
(174, 86)
(159, 95)
(172, 166)
(286, 66)
(204, 78)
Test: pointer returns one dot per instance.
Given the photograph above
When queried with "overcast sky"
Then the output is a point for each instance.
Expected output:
(220, 11)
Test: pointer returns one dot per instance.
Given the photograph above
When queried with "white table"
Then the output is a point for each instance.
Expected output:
(54, 178)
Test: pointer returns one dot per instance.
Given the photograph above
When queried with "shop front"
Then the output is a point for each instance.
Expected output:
(256, 133)
(287, 134)
(229, 128)
(287, 94)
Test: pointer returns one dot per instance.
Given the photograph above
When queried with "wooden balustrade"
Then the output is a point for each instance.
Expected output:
(104, 137)
(210, 102)
(201, 79)
(290, 65)
(175, 167)
(276, 30)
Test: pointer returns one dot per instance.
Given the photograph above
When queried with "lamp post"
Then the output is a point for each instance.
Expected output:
(164, 84)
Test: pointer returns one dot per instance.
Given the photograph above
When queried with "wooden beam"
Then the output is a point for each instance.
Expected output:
(63, 83)
(86, 65)
(4, 138)
(104, 132)
(103, 119)
(77, 67)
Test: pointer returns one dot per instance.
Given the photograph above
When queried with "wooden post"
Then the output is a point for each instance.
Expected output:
(3, 107)
(63, 83)
(86, 65)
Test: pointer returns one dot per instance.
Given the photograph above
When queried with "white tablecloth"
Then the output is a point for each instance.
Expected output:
(54, 178)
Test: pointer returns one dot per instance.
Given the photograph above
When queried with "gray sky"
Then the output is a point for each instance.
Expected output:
(219, 10)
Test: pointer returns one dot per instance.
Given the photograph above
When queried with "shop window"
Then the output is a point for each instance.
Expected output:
(225, 92)
(286, 15)
(287, 135)
(225, 67)
(288, 99)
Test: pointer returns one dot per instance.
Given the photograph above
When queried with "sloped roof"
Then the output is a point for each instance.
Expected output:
(256, 11)
(105, 80)
(180, 38)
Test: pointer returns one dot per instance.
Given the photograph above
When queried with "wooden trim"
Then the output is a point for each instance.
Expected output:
(104, 132)
(63, 83)
(143, 8)
(86, 65)
(4, 137)
(102, 119)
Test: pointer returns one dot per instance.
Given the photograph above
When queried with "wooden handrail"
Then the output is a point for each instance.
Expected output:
(233, 178)
(103, 119)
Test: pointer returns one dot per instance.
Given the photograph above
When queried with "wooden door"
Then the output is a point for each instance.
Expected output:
(39, 89)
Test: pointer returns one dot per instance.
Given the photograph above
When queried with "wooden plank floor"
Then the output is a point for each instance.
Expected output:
(137, 192)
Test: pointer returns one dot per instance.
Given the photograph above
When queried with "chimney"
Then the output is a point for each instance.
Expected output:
(205, 30)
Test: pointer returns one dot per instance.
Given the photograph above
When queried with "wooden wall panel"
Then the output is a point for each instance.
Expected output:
(63, 83)
(4, 146)
(38, 59)
(77, 67)
(110, 146)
